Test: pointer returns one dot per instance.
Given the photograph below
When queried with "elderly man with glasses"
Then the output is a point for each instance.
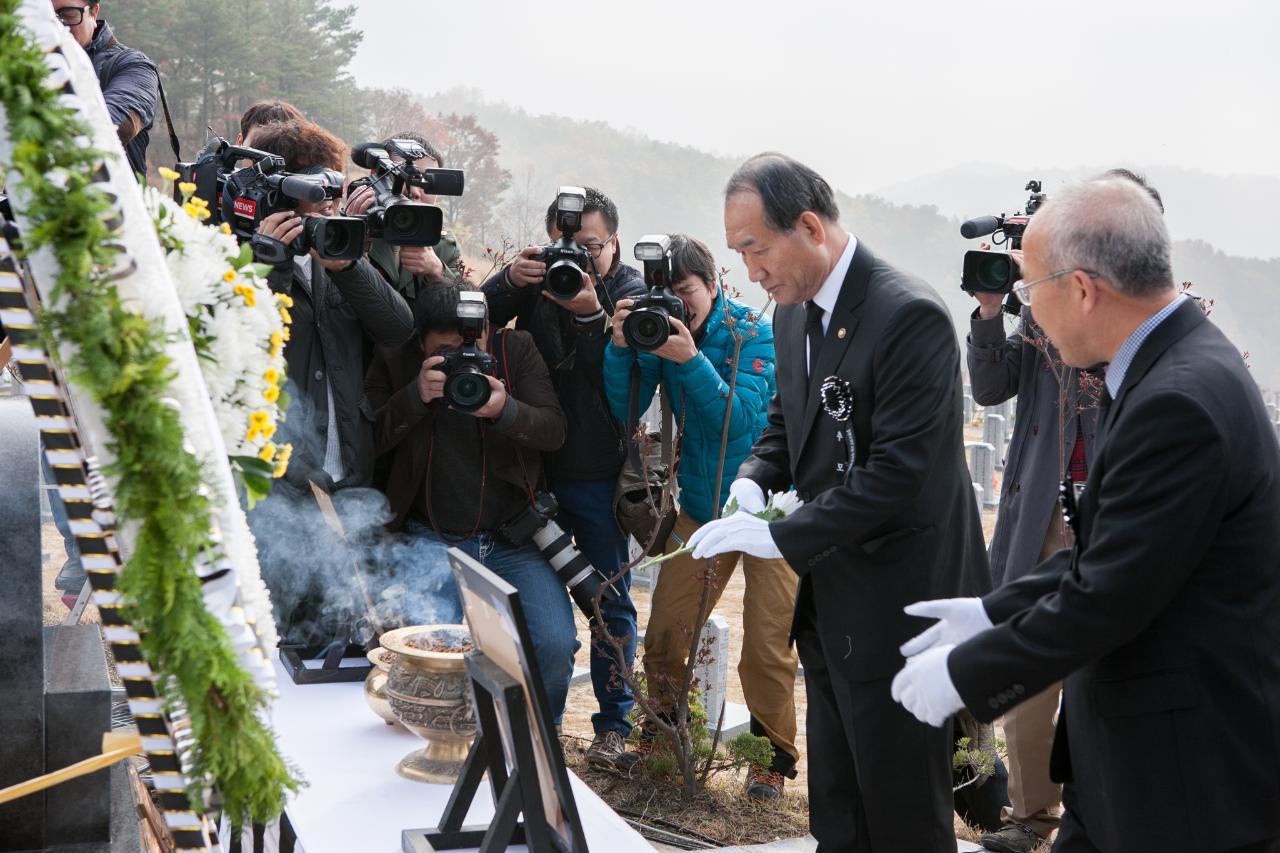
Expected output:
(1053, 436)
(1161, 619)
(571, 335)
(129, 80)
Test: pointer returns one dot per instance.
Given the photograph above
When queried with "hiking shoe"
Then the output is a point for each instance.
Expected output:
(1012, 838)
(609, 752)
(763, 784)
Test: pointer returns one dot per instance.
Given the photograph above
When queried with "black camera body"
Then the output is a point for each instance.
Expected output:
(566, 261)
(995, 271)
(243, 197)
(648, 325)
(467, 368)
(394, 218)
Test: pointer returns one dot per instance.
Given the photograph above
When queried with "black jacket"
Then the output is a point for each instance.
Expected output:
(1165, 617)
(574, 353)
(337, 319)
(902, 526)
(131, 87)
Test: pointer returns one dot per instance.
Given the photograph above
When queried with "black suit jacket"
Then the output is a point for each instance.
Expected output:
(1165, 617)
(902, 525)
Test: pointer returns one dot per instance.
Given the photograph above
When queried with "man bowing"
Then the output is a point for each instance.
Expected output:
(1164, 618)
(866, 427)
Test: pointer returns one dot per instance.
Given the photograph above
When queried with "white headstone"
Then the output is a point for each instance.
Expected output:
(968, 409)
(993, 433)
(982, 470)
(712, 669)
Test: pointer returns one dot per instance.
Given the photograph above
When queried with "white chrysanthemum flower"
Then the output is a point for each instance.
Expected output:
(784, 503)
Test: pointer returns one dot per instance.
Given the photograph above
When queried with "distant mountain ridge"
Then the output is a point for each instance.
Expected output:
(666, 188)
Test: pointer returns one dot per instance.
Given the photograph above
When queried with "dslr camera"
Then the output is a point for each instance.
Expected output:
(243, 197)
(566, 261)
(467, 368)
(537, 524)
(648, 325)
(394, 218)
(996, 271)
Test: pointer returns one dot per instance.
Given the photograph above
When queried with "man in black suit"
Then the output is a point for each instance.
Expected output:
(889, 510)
(1164, 618)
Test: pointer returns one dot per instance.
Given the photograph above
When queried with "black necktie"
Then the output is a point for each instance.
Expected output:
(813, 328)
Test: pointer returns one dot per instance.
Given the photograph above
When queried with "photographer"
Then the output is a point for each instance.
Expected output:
(411, 268)
(130, 81)
(696, 364)
(571, 335)
(1053, 436)
(460, 478)
(338, 306)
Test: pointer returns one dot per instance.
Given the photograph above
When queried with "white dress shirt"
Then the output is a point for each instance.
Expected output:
(829, 293)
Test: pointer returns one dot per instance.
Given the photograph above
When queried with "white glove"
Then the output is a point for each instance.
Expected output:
(739, 532)
(924, 687)
(958, 620)
(749, 494)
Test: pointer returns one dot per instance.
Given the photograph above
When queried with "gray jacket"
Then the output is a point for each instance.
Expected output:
(1001, 367)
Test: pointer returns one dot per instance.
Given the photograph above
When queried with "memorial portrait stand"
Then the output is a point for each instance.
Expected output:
(515, 793)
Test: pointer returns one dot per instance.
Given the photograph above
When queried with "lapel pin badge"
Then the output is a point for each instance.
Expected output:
(840, 333)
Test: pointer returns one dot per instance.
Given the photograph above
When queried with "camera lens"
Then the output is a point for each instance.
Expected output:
(467, 389)
(402, 219)
(564, 279)
(646, 329)
(995, 270)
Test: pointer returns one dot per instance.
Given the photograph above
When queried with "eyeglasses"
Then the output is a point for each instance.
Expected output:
(1022, 290)
(594, 249)
(72, 16)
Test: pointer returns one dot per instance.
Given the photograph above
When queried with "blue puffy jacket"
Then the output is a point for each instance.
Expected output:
(698, 390)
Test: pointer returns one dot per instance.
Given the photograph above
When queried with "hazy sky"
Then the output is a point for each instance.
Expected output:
(869, 93)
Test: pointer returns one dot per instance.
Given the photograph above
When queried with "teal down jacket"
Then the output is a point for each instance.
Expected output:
(698, 390)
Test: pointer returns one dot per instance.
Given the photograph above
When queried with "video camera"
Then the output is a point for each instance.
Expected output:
(648, 325)
(996, 271)
(467, 368)
(243, 197)
(394, 218)
(566, 261)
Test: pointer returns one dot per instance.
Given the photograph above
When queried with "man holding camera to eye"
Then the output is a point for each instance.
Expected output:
(411, 268)
(337, 306)
(130, 81)
(466, 416)
(696, 363)
(570, 332)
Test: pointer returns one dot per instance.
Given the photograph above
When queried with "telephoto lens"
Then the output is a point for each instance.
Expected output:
(574, 569)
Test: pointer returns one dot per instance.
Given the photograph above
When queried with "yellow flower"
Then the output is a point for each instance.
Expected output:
(230, 276)
(259, 419)
(251, 433)
(272, 375)
(267, 452)
(284, 299)
(286, 333)
(225, 229)
(276, 338)
(249, 298)
(285, 316)
(282, 460)
(187, 188)
(202, 213)
(271, 393)
(279, 470)
(169, 174)
(268, 431)
(196, 200)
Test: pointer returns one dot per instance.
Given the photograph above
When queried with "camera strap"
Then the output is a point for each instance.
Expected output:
(666, 419)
